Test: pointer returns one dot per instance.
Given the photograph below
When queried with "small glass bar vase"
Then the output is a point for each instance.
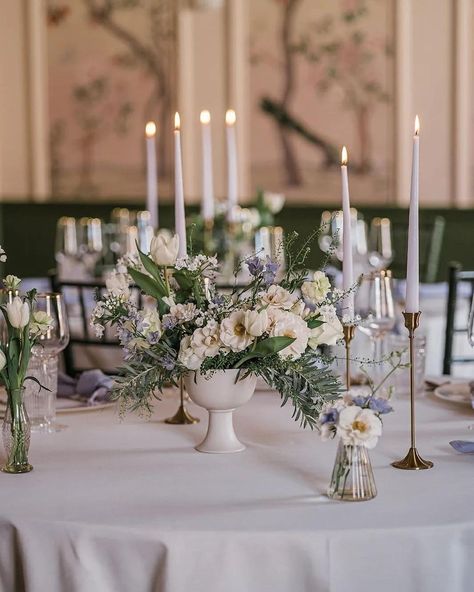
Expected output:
(16, 433)
(352, 477)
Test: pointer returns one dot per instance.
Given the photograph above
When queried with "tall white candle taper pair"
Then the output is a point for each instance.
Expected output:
(232, 187)
(413, 460)
(152, 173)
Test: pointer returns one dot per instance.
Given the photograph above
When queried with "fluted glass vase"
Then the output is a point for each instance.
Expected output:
(352, 477)
(16, 433)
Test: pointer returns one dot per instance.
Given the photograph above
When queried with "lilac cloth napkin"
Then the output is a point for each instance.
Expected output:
(463, 446)
(93, 385)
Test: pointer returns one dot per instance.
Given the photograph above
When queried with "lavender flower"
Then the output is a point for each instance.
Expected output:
(360, 400)
(169, 322)
(270, 271)
(153, 337)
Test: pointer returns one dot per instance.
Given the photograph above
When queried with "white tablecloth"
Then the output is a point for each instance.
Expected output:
(131, 507)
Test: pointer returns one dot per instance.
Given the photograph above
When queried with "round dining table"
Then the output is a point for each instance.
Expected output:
(128, 505)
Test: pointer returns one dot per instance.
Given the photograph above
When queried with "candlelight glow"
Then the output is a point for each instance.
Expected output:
(205, 117)
(150, 129)
(177, 122)
(417, 126)
(344, 156)
(230, 117)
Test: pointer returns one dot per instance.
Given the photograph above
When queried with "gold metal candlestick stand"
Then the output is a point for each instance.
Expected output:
(349, 332)
(412, 460)
(182, 416)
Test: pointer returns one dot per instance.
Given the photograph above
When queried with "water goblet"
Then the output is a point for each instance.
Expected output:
(375, 306)
(41, 403)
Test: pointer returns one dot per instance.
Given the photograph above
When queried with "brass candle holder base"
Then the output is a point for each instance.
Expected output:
(412, 461)
(182, 415)
(349, 332)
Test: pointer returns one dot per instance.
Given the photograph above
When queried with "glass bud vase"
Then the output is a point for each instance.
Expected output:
(352, 477)
(16, 433)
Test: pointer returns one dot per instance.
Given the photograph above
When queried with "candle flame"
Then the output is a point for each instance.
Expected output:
(344, 156)
(417, 126)
(150, 129)
(230, 117)
(177, 122)
(205, 117)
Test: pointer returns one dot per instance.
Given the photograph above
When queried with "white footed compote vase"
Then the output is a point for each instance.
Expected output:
(221, 392)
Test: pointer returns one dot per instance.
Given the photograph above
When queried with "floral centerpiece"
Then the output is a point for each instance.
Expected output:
(357, 420)
(23, 326)
(188, 329)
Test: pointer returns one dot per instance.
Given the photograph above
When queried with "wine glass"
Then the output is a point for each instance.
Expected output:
(66, 247)
(90, 242)
(144, 230)
(380, 243)
(41, 403)
(375, 306)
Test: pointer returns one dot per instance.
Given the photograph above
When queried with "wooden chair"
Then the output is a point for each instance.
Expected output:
(455, 277)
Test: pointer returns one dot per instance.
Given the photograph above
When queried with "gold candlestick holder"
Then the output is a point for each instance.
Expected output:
(412, 461)
(182, 416)
(349, 332)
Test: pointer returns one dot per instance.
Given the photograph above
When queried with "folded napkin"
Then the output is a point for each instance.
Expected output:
(92, 386)
(463, 446)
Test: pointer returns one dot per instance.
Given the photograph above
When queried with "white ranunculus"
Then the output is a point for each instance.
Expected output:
(330, 332)
(164, 250)
(316, 290)
(256, 322)
(278, 297)
(18, 313)
(206, 341)
(233, 332)
(359, 427)
(41, 323)
(288, 324)
(3, 360)
(187, 355)
(274, 201)
(184, 312)
(117, 285)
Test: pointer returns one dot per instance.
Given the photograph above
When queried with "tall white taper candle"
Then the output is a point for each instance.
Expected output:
(347, 271)
(151, 173)
(232, 190)
(207, 206)
(412, 298)
(179, 213)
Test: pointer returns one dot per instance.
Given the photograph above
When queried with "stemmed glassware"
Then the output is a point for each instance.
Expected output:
(380, 243)
(375, 306)
(41, 403)
(90, 242)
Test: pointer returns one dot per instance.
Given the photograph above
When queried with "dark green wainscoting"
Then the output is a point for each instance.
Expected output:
(27, 232)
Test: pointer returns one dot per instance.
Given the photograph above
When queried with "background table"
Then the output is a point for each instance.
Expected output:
(131, 507)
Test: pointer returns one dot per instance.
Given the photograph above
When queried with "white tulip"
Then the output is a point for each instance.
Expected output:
(3, 360)
(274, 201)
(164, 250)
(256, 322)
(18, 313)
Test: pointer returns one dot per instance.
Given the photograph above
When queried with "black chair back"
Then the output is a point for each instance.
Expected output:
(456, 276)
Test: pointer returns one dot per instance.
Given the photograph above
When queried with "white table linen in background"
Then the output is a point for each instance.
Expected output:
(131, 507)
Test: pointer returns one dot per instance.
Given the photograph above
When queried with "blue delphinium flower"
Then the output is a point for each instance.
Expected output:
(169, 322)
(168, 362)
(360, 400)
(270, 271)
(153, 337)
(380, 405)
(330, 416)
(255, 266)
